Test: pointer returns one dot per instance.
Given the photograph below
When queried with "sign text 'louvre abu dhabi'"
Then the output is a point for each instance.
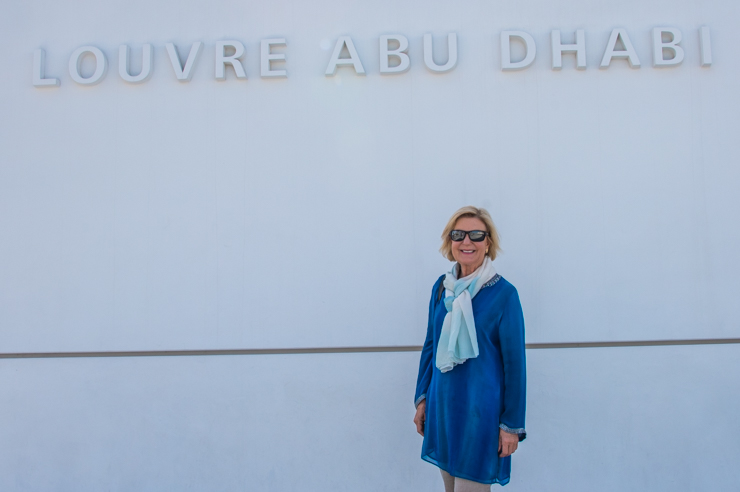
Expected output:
(394, 59)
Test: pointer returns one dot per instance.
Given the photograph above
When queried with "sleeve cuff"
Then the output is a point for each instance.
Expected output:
(520, 432)
(420, 399)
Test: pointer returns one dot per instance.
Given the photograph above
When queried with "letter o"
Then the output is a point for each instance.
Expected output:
(101, 65)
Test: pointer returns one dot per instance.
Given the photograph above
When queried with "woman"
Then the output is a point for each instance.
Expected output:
(470, 393)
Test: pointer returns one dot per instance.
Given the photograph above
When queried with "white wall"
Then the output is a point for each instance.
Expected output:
(306, 212)
(135, 214)
(646, 419)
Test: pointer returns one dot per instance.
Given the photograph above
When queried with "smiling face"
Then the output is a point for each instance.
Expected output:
(468, 254)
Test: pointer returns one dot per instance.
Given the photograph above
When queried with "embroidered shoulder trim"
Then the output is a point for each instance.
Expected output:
(492, 282)
(420, 399)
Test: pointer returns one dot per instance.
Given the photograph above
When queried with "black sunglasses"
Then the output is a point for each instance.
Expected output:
(476, 236)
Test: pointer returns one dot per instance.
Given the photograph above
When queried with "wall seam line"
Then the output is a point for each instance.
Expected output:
(349, 350)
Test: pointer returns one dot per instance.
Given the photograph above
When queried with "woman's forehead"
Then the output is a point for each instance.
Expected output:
(470, 223)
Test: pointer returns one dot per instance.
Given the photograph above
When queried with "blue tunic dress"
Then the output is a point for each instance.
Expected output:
(467, 405)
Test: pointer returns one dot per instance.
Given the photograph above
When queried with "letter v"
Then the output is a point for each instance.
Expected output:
(184, 74)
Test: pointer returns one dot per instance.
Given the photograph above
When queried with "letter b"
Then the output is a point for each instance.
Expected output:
(672, 45)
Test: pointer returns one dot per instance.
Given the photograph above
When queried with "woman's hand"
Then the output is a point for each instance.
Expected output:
(421, 417)
(507, 443)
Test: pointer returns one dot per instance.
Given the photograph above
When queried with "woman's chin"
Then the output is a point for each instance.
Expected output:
(469, 261)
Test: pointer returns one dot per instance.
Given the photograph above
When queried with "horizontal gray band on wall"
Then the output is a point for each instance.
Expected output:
(350, 350)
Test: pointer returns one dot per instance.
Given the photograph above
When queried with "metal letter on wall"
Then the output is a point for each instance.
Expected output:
(146, 64)
(558, 49)
(184, 74)
(629, 51)
(266, 57)
(401, 53)
(354, 58)
(530, 50)
(451, 54)
(101, 65)
(39, 60)
(705, 44)
(222, 59)
(659, 46)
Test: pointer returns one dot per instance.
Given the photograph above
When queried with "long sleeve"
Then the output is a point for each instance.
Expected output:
(426, 363)
(511, 337)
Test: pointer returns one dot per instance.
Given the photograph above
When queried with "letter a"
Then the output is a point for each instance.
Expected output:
(354, 58)
(628, 51)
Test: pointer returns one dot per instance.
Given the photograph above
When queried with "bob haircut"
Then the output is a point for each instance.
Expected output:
(479, 213)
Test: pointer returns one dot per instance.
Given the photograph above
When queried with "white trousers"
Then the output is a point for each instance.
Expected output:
(456, 484)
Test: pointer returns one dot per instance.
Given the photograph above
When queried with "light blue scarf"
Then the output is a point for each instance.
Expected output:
(458, 341)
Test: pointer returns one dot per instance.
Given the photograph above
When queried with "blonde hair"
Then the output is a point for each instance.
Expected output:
(479, 213)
